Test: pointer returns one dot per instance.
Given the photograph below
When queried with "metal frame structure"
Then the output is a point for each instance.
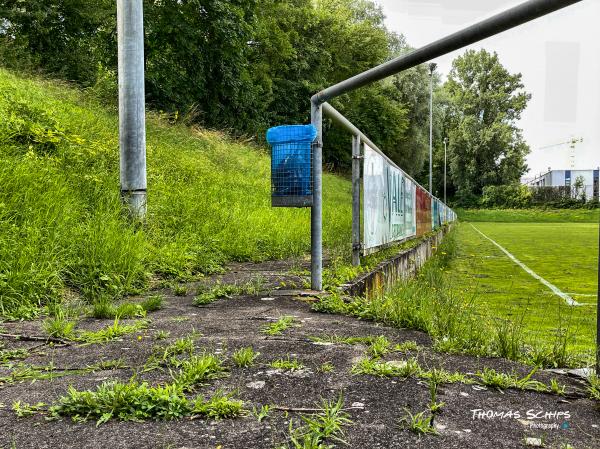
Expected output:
(503, 21)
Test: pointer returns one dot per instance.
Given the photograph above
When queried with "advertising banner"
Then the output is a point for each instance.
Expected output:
(389, 202)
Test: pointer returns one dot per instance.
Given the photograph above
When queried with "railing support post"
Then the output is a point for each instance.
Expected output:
(316, 215)
(356, 159)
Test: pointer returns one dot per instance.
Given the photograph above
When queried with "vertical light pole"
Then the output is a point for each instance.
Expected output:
(132, 120)
(598, 312)
(432, 67)
(445, 162)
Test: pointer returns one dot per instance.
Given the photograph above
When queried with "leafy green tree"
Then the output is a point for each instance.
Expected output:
(63, 37)
(486, 145)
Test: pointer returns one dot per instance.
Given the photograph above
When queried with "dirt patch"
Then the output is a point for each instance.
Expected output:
(472, 417)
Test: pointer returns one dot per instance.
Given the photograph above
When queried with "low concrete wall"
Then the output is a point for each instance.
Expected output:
(403, 265)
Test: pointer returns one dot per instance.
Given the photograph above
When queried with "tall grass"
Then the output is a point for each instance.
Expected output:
(62, 225)
(456, 322)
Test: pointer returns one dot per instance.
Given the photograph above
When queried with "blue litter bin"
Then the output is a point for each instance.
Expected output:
(291, 165)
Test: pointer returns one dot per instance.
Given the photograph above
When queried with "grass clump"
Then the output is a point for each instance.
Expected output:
(245, 357)
(105, 309)
(593, 388)
(397, 368)
(219, 406)
(337, 339)
(60, 327)
(502, 381)
(407, 346)
(318, 429)
(169, 355)
(8, 355)
(218, 291)
(287, 364)
(279, 326)
(420, 423)
(197, 370)
(326, 367)
(139, 402)
(380, 346)
(112, 332)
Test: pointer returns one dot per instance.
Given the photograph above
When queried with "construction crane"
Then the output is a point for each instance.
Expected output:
(572, 142)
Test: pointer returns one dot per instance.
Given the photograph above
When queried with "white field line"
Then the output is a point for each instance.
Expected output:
(570, 301)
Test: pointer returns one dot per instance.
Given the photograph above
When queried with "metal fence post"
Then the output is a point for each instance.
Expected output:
(132, 120)
(356, 158)
(316, 216)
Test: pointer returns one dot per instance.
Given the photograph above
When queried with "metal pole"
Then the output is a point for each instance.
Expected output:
(598, 312)
(432, 67)
(316, 216)
(445, 162)
(132, 120)
(356, 158)
(503, 21)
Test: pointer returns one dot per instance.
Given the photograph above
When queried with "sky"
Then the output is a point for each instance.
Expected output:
(558, 56)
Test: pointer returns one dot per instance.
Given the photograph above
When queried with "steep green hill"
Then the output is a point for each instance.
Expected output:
(62, 227)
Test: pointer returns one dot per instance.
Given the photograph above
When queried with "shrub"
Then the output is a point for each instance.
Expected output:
(514, 196)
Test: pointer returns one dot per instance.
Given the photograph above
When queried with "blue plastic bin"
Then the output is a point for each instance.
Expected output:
(291, 165)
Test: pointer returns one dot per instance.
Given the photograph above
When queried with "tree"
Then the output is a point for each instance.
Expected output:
(486, 146)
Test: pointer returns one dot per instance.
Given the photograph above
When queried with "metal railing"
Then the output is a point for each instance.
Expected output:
(506, 20)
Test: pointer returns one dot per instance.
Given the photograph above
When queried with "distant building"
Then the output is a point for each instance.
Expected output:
(567, 179)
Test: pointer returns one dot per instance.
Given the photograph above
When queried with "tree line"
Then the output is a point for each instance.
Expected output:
(246, 65)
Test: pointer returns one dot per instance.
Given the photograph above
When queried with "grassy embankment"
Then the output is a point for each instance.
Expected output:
(63, 232)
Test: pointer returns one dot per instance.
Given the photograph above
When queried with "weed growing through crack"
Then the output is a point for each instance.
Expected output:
(287, 364)
(169, 356)
(326, 367)
(261, 413)
(22, 372)
(245, 357)
(407, 346)
(112, 332)
(180, 290)
(153, 303)
(219, 406)
(279, 326)
(23, 409)
(103, 308)
(60, 326)
(379, 347)
(593, 388)
(199, 369)
(206, 295)
(557, 388)
(318, 429)
(400, 368)
(502, 381)
(419, 423)
(162, 335)
(337, 339)
(8, 355)
(139, 401)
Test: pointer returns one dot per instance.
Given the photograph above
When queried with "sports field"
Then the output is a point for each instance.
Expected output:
(545, 275)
